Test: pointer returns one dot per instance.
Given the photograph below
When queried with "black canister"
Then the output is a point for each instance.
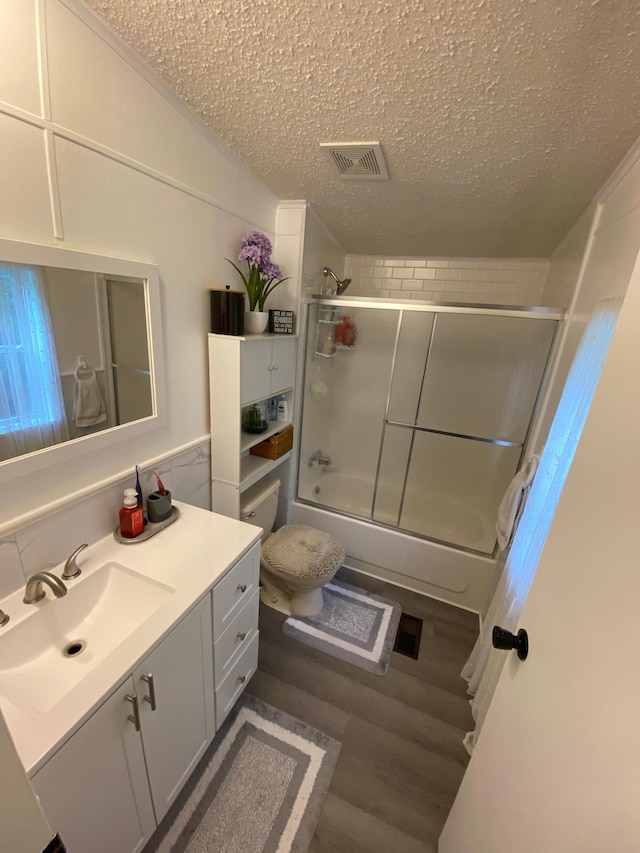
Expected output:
(227, 312)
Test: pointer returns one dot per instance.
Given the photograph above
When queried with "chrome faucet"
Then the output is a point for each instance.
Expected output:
(319, 458)
(71, 570)
(34, 591)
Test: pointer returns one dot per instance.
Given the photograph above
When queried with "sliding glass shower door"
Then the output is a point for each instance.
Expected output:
(420, 423)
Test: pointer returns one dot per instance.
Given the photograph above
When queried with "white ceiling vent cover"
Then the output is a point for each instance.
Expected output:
(357, 161)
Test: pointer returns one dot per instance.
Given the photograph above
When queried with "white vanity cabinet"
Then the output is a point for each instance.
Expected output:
(244, 370)
(108, 785)
(235, 632)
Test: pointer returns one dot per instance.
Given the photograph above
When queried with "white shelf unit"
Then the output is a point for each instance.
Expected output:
(244, 370)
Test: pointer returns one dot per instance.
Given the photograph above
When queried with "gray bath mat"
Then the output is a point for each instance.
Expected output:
(354, 625)
(258, 789)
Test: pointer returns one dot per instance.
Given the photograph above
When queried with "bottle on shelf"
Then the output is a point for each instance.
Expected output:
(346, 332)
(131, 515)
(283, 409)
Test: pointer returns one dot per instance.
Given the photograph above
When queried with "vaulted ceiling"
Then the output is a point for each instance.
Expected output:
(499, 119)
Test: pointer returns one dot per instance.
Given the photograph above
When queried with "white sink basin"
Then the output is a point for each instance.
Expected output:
(48, 653)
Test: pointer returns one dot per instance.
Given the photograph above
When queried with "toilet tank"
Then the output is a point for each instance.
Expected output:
(259, 504)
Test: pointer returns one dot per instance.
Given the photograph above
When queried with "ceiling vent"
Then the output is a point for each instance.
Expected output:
(357, 161)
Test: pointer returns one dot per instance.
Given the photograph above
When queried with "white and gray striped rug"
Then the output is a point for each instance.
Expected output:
(258, 789)
(354, 625)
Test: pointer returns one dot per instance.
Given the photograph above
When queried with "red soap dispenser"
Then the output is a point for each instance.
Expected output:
(131, 515)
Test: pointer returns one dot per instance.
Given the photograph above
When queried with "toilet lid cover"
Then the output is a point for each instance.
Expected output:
(302, 551)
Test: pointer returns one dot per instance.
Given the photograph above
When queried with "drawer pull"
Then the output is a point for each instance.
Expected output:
(151, 698)
(242, 635)
(242, 679)
(242, 587)
(135, 719)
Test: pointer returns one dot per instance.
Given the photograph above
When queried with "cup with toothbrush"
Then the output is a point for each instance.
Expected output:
(159, 503)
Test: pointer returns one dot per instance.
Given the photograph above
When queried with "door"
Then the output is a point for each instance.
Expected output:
(557, 765)
(175, 692)
(255, 370)
(129, 349)
(284, 364)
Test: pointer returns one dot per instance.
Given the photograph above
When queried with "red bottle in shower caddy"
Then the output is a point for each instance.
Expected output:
(345, 332)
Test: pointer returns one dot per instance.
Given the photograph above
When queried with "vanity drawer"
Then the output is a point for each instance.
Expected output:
(236, 680)
(236, 638)
(234, 590)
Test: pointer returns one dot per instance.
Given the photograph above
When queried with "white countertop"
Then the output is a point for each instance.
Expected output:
(191, 555)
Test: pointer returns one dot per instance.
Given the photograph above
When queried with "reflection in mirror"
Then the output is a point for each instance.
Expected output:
(74, 355)
(81, 365)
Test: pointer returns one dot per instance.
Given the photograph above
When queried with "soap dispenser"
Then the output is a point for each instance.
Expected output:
(131, 515)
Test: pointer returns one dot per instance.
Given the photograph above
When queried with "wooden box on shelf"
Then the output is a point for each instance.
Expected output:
(275, 446)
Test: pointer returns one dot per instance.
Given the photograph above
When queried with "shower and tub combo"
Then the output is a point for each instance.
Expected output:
(412, 430)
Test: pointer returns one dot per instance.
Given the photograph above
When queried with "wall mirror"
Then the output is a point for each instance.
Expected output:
(81, 363)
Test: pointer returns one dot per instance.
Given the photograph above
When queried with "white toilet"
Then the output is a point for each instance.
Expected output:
(296, 561)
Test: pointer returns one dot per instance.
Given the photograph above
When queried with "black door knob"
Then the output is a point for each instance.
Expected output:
(503, 639)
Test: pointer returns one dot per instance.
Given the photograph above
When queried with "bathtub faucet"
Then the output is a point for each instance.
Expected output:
(319, 458)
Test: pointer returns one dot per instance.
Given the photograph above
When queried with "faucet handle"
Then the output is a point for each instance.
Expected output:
(71, 570)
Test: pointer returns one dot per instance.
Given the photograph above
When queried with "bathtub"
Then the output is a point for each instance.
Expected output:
(449, 574)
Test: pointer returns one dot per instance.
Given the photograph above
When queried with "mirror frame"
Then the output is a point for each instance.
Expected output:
(40, 254)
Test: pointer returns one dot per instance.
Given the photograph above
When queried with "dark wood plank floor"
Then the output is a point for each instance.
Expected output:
(402, 757)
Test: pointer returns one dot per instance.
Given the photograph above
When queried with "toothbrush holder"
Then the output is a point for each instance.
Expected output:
(158, 507)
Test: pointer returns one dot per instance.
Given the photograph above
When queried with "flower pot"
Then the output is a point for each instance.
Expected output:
(255, 322)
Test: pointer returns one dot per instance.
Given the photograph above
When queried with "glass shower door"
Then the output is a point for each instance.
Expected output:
(346, 385)
(453, 443)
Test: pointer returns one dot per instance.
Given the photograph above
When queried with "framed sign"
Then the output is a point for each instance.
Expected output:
(281, 322)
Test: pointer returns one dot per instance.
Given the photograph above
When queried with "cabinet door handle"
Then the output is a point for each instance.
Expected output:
(135, 719)
(242, 635)
(270, 367)
(151, 698)
(275, 366)
(242, 587)
(242, 679)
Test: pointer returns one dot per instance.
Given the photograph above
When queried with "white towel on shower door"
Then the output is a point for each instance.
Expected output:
(513, 502)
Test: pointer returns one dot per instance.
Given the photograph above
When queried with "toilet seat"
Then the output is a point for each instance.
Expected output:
(295, 564)
(303, 553)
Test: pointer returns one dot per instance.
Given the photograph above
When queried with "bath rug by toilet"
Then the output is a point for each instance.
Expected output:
(354, 625)
(259, 788)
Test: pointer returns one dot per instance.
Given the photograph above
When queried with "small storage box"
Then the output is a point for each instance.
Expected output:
(276, 446)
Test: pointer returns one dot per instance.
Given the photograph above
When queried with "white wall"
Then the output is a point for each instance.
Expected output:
(611, 231)
(566, 262)
(73, 304)
(98, 155)
(321, 249)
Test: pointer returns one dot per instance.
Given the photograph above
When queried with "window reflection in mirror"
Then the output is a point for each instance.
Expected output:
(74, 355)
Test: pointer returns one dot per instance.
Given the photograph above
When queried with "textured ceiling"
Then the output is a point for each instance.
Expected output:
(499, 119)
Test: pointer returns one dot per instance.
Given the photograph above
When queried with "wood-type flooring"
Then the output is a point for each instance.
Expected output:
(402, 758)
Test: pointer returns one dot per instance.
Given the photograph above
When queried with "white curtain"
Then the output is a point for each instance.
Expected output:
(517, 565)
(32, 412)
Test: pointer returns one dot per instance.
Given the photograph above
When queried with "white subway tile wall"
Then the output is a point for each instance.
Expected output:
(479, 280)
